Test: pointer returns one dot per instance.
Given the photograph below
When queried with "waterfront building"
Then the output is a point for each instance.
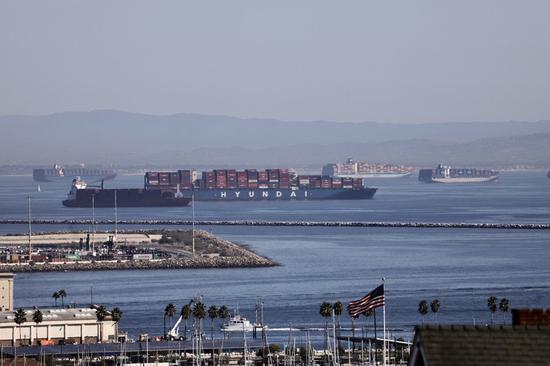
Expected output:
(58, 326)
(6, 291)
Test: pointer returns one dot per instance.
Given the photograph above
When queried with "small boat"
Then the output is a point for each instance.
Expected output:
(238, 323)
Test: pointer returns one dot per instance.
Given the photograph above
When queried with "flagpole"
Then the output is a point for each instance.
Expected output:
(384, 321)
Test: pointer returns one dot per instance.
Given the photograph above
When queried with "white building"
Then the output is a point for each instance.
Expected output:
(6, 291)
(69, 325)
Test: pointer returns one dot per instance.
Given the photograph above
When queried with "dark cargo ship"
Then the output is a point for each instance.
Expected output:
(447, 174)
(81, 195)
(59, 172)
(178, 188)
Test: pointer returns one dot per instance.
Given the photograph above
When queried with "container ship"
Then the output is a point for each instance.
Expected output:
(82, 195)
(353, 169)
(59, 172)
(179, 187)
(447, 174)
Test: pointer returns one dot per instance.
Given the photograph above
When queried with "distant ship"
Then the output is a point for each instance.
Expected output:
(447, 174)
(59, 172)
(353, 169)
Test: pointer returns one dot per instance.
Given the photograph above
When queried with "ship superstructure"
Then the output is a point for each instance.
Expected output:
(58, 172)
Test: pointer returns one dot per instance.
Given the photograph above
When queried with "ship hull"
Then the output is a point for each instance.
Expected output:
(464, 180)
(124, 198)
(280, 194)
(374, 175)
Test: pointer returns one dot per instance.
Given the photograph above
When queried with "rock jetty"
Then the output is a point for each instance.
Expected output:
(407, 224)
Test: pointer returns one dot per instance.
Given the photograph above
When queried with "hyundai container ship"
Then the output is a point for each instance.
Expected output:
(447, 174)
(164, 188)
(58, 172)
(354, 169)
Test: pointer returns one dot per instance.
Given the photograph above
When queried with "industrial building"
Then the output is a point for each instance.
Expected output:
(59, 326)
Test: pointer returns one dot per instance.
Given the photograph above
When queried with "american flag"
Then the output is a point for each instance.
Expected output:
(372, 300)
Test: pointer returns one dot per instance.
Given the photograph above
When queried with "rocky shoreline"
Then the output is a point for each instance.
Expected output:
(216, 253)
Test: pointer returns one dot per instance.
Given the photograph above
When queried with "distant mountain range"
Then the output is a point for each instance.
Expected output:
(192, 140)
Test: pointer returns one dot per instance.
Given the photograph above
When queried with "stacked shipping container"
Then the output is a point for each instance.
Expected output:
(249, 178)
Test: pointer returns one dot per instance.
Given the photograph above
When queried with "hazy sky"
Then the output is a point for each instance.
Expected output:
(394, 61)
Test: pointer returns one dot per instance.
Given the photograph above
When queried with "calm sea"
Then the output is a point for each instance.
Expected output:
(460, 267)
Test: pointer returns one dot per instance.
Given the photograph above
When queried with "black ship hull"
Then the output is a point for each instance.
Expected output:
(124, 198)
(247, 194)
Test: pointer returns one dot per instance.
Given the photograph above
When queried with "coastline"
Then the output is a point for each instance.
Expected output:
(212, 252)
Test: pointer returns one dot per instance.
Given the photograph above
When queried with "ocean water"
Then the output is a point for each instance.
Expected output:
(460, 267)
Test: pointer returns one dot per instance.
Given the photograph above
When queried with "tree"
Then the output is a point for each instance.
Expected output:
(37, 317)
(186, 313)
(492, 305)
(116, 314)
(223, 313)
(62, 294)
(199, 312)
(56, 296)
(101, 313)
(503, 306)
(338, 309)
(212, 314)
(435, 305)
(169, 312)
(19, 318)
(423, 309)
(326, 311)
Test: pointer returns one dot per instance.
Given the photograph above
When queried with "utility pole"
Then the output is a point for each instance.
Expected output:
(193, 222)
(30, 230)
(93, 224)
(116, 218)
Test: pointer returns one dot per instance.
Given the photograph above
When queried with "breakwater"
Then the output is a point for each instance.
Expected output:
(457, 225)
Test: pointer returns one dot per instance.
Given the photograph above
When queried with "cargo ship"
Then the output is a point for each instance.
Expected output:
(82, 195)
(58, 172)
(257, 185)
(447, 174)
(179, 187)
(354, 169)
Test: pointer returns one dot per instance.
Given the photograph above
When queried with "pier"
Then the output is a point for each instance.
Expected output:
(382, 224)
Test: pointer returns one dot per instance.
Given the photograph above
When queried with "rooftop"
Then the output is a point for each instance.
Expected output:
(480, 345)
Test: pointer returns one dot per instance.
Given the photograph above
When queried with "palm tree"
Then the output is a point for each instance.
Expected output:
(435, 305)
(55, 296)
(116, 314)
(326, 311)
(20, 318)
(223, 313)
(492, 305)
(169, 312)
(423, 309)
(199, 312)
(101, 313)
(62, 294)
(212, 314)
(503, 306)
(338, 309)
(186, 313)
(37, 317)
